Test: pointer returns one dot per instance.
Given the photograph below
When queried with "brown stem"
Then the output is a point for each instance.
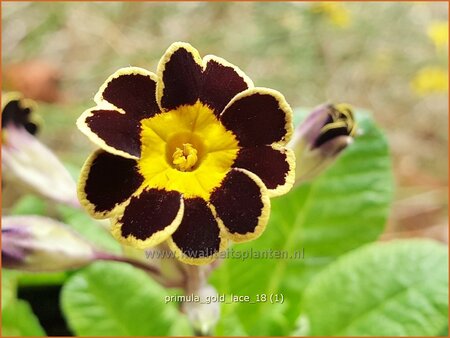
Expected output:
(114, 258)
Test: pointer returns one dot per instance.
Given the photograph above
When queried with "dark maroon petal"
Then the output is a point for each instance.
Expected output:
(117, 130)
(14, 112)
(181, 78)
(134, 93)
(111, 180)
(198, 234)
(270, 165)
(257, 118)
(220, 83)
(150, 212)
(240, 204)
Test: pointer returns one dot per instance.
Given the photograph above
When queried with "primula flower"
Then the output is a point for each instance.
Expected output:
(324, 134)
(190, 155)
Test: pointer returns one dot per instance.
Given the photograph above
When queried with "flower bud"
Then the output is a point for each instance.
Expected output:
(203, 312)
(25, 160)
(317, 142)
(36, 243)
(19, 112)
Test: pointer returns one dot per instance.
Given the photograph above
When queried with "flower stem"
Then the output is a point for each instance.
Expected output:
(152, 270)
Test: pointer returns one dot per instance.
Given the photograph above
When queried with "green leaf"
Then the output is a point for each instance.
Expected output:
(89, 228)
(342, 209)
(116, 299)
(385, 289)
(17, 317)
(19, 320)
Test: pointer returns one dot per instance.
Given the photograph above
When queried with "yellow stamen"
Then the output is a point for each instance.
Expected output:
(185, 159)
(216, 147)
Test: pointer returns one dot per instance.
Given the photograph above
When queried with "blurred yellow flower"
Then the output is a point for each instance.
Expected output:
(429, 80)
(335, 12)
(438, 33)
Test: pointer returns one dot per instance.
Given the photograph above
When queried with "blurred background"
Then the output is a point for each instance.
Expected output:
(387, 58)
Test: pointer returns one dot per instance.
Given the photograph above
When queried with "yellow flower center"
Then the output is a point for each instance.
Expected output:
(186, 149)
(185, 159)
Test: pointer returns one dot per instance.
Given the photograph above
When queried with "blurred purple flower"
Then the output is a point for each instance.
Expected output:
(37, 243)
